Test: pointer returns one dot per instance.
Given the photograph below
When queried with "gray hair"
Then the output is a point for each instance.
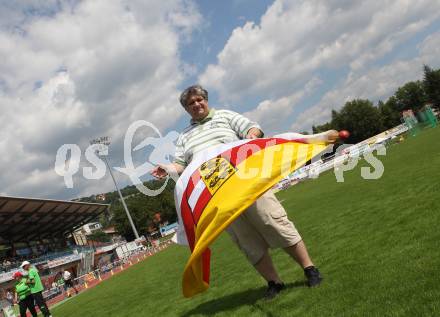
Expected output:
(193, 90)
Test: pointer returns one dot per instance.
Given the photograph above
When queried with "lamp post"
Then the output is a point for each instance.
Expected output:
(105, 140)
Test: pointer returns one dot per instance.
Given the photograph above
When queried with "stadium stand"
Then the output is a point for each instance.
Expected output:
(39, 230)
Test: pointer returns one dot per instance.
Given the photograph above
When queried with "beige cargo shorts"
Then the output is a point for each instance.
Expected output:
(263, 225)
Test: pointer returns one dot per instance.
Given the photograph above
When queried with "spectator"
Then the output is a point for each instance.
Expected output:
(23, 295)
(10, 297)
(36, 287)
(68, 282)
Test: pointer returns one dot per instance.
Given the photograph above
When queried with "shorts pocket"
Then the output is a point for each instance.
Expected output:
(277, 213)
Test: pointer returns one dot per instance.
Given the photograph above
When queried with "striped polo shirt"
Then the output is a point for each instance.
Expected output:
(218, 127)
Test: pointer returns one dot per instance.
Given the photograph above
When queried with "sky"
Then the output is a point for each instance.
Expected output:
(71, 71)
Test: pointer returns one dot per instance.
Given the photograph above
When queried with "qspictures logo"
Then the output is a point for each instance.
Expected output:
(162, 150)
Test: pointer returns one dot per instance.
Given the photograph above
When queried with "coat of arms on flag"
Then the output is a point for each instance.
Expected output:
(222, 182)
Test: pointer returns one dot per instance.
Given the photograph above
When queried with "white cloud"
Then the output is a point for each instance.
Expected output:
(295, 39)
(374, 84)
(271, 113)
(430, 49)
(72, 71)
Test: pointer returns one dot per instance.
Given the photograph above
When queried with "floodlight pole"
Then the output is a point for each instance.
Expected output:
(105, 141)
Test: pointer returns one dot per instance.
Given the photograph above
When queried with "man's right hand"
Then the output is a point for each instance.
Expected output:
(163, 170)
(159, 172)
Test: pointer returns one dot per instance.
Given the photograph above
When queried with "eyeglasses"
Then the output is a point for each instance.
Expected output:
(192, 100)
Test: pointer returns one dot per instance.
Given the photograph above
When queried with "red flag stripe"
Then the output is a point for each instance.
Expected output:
(188, 222)
(203, 200)
(206, 264)
(192, 182)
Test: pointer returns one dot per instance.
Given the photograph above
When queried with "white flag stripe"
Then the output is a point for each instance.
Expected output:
(198, 160)
(197, 191)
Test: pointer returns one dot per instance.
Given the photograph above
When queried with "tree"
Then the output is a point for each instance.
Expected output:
(99, 236)
(389, 113)
(410, 96)
(360, 118)
(431, 83)
(322, 128)
(143, 208)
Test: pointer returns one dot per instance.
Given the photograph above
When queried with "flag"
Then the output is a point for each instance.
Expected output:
(222, 182)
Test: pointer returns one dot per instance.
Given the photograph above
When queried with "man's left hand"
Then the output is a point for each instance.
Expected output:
(254, 133)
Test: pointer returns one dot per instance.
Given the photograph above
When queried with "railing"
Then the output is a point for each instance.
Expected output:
(95, 277)
(351, 153)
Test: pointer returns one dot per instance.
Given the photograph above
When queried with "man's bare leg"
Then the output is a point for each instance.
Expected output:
(299, 253)
(266, 269)
(301, 256)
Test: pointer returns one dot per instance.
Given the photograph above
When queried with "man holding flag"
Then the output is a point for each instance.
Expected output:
(264, 224)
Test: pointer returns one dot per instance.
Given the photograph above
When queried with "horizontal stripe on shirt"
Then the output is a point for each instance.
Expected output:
(219, 127)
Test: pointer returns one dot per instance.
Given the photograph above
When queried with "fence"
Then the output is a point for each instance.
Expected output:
(95, 277)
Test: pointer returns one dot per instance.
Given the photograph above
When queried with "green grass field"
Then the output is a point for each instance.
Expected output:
(377, 243)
